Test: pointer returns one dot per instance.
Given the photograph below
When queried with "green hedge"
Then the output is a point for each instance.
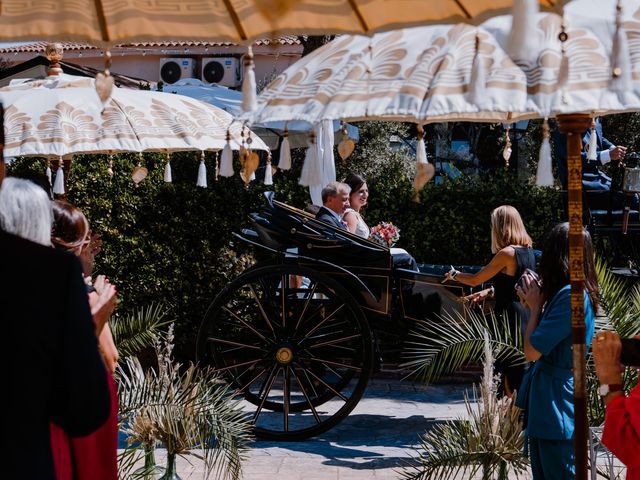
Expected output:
(174, 243)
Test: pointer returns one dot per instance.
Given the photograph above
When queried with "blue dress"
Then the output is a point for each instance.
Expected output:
(549, 393)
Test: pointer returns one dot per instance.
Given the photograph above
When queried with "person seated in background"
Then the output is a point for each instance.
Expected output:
(335, 200)
(358, 199)
(621, 434)
(56, 371)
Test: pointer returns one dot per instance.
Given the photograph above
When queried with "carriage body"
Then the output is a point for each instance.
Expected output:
(297, 337)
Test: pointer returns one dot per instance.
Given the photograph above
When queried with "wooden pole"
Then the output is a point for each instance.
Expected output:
(573, 126)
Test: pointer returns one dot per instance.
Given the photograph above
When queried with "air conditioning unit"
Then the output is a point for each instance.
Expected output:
(222, 70)
(174, 69)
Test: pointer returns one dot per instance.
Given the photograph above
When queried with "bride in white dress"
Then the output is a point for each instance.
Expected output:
(355, 223)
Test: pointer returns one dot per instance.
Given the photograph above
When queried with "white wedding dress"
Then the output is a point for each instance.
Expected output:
(362, 229)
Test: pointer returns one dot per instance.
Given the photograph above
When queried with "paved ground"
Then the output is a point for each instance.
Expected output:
(370, 444)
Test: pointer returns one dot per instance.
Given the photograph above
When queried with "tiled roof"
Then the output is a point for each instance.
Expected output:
(39, 47)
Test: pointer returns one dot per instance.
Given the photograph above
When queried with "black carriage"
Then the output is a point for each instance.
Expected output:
(297, 336)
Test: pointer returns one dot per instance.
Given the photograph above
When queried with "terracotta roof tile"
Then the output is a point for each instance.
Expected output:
(39, 47)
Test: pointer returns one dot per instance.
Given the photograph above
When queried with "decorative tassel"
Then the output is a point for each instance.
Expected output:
(167, 171)
(544, 175)
(110, 167)
(104, 81)
(268, 173)
(202, 173)
(620, 59)
(285, 152)
(48, 173)
(249, 83)
(424, 170)
(592, 153)
(506, 153)
(226, 160)
(58, 185)
(523, 35)
(310, 174)
(478, 78)
(217, 166)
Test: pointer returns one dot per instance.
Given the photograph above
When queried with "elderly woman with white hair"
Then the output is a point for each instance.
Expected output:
(25, 210)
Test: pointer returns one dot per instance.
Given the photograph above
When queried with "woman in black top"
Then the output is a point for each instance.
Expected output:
(513, 255)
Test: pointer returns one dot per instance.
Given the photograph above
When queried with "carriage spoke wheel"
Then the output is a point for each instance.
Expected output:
(294, 344)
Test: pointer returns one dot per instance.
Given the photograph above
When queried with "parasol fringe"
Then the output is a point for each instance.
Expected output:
(620, 60)
(249, 98)
(523, 35)
(310, 174)
(268, 173)
(285, 152)
(202, 173)
(168, 178)
(544, 174)
(58, 185)
(226, 159)
(478, 78)
(592, 153)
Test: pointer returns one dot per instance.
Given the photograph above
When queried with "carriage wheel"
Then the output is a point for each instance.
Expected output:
(300, 355)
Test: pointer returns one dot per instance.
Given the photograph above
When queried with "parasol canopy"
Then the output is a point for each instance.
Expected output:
(62, 115)
(430, 74)
(231, 101)
(117, 21)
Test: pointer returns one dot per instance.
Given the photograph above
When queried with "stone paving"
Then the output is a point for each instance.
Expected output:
(371, 443)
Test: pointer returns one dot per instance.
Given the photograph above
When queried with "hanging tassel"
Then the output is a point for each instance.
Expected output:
(506, 153)
(310, 174)
(110, 167)
(168, 178)
(544, 174)
(478, 77)
(202, 173)
(285, 151)
(424, 170)
(268, 173)
(217, 166)
(592, 153)
(620, 59)
(48, 173)
(249, 83)
(58, 185)
(524, 35)
(226, 161)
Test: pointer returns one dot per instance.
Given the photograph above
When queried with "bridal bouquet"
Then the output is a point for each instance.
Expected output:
(385, 234)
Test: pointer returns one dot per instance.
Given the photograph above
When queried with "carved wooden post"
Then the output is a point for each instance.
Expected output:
(573, 126)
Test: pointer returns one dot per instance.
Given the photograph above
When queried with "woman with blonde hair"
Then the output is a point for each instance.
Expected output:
(513, 251)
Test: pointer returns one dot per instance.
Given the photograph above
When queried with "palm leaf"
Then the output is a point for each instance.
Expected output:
(138, 330)
(440, 348)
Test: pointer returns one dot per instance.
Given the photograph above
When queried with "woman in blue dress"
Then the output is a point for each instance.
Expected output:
(547, 389)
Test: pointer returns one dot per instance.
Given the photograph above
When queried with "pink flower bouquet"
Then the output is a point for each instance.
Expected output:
(385, 234)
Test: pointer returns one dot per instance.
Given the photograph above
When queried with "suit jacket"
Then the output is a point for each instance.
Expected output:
(329, 217)
(590, 168)
(53, 370)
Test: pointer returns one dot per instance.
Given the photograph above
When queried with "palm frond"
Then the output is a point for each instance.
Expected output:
(489, 439)
(620, 301)
(440, 348)
(137, 331)
(188, 409)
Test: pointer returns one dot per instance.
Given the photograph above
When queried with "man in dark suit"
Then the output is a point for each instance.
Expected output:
(53, 371)
(335, 199)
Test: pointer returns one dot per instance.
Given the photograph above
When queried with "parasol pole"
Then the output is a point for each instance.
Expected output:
(573, 126)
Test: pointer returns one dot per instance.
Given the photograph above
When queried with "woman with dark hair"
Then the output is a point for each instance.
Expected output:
(547, 389)
(93, 456)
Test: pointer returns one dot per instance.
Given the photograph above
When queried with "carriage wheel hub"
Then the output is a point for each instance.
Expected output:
(284, 355)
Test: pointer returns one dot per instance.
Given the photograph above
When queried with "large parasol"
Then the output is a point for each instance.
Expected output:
(578, 65)
(117, 21)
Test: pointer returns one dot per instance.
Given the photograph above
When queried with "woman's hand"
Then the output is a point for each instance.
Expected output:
(102, 302)
(108, 349)
(478, 297)
(606, 348)
(530, 293)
